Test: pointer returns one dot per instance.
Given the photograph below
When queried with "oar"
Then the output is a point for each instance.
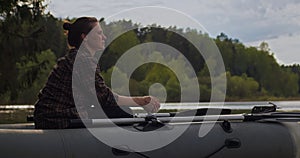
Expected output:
(194, 112)
(126, 121)
(181, 119)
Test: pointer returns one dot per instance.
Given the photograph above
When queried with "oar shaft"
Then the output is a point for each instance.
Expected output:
(143, 115)
(118, 121)
(202, 118)
(122, 121)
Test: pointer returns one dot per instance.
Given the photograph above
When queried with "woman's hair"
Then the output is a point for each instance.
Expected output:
(82, 25)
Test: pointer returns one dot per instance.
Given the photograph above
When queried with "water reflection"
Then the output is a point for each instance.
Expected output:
(15, 113)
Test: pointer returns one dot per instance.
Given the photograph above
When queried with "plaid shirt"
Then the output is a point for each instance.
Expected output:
(56, 104)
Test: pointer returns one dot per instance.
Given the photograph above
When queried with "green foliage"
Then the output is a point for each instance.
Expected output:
(29, 94)
(294, 69)
(241, 86)
(259, 64)
(30, 41)
(25, 31)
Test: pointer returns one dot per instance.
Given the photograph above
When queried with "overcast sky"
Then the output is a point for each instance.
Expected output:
(251, 21)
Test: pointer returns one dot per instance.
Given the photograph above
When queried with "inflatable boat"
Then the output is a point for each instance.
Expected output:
(259, 134)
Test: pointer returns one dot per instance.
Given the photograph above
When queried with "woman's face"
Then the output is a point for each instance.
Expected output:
(95, 40)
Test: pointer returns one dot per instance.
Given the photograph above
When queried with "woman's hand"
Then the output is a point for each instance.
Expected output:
(149, 103)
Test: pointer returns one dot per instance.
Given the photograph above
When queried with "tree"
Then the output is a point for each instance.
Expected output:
(25, 31)
(241, 86)
(29, 94)
(264, 46)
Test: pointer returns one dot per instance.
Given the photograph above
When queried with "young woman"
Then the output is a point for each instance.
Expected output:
(56, 106)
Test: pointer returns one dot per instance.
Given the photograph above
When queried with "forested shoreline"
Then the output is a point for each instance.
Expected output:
(32, 40)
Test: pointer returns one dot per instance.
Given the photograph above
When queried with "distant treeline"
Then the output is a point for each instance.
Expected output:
(31, 41)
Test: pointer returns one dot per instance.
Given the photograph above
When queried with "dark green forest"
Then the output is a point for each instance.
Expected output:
(31, 41)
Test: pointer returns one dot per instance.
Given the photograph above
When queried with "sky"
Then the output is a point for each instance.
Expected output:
(276, 22)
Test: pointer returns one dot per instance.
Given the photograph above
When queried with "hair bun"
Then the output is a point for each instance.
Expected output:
(67, 26)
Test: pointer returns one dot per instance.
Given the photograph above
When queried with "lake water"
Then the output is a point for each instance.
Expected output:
(19, 113)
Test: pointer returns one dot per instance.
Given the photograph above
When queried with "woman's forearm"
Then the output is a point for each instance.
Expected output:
(149, 103)
(128, 101)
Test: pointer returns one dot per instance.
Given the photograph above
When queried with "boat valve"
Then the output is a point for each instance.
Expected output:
(226, 126)
(232, 143)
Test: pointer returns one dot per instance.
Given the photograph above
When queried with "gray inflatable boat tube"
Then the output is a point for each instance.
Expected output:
(265, 139)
